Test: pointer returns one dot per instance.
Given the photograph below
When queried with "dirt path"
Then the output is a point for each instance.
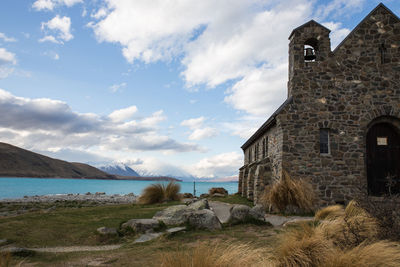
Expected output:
(64, 249)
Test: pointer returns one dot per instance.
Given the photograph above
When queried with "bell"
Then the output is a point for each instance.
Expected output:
(310, 54)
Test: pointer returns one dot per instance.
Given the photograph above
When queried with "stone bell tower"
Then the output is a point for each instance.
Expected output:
(309, 45)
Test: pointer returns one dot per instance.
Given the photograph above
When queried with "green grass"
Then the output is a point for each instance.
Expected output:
(233, 199)
(70, 226)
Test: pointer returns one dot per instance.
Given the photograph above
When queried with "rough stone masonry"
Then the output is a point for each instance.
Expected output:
(340, 125)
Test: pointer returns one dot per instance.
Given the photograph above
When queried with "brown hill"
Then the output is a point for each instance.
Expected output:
(18, 162)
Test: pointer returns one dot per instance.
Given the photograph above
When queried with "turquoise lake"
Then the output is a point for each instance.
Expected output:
(20, 187)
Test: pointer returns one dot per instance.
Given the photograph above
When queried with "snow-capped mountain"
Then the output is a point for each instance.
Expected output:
(119, 169)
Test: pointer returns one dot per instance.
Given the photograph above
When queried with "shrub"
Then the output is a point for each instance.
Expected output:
(288, 192)
(215, 255)
(158, 193)
(330, 212)
(304, 246)
(382, 253)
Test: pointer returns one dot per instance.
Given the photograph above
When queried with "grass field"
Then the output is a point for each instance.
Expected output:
(70, 224)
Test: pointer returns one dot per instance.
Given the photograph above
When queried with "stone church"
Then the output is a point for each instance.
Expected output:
(340, 124)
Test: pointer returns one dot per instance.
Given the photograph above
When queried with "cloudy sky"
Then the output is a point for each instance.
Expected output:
(167, 87)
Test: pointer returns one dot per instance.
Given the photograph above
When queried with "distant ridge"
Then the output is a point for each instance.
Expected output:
(18, 162)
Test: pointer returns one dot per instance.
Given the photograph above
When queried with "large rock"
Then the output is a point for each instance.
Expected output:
(141, 225)
(239, 213)
(176, 215)
(217, 190)
(204, 219)
(245, 214)
(257, 212)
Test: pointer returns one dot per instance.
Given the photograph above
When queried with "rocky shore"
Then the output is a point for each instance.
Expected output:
(98, 197)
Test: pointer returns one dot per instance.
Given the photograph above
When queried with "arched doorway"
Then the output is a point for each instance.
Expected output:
(383, 159)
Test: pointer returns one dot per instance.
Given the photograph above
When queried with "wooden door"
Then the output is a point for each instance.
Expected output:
(383, 159)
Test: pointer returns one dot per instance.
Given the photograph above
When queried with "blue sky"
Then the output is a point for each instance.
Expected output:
(166, 87)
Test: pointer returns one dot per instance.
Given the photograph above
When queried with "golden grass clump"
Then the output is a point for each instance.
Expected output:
(290, 192)
(382, 253)
(5, 259)
(351, 229)
(304, 246)
(330, 212)
(224, 254)
(157, 193)
(172, 191)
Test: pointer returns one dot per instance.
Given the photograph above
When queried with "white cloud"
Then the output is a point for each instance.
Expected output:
(193, 123)
(52, 55)
(49, 38)
(45, 124)
(221, 165)
(51, 4)
(101, 13)
(117, 87)
(7, 39)
(203, 133)
(198, 130)
(6, 59)
(337, 32)
(123, 114)
(59, 25)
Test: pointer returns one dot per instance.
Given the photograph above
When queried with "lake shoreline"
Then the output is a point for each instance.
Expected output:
(98, 197)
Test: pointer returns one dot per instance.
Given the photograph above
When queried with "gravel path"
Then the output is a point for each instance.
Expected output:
(76, 248)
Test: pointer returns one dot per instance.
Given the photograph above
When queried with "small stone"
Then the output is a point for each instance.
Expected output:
(107, 231)
(176, 230)
(147, 237)
(141, 225)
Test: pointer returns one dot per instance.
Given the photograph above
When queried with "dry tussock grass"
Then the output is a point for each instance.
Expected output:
(304, 246)
(172, 191)
(354, 227)
(157, 193)
(330, 212)
(290, 192)
(224, 254)
(382, 253)
(5, 259)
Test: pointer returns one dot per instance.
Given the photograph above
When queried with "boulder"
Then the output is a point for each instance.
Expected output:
(218, 190)
(175, 230)
(204, 219)
(107, 231)
(239, 213)
(257, 212)
(199, 205)
(141, 225)
(204, 195)
(174, 215)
